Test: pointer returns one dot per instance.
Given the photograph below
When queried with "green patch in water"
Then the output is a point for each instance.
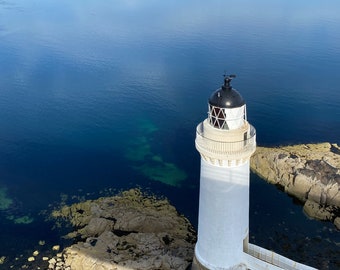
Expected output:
(139, 151)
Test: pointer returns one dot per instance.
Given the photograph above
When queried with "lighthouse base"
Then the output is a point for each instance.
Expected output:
(196, 265)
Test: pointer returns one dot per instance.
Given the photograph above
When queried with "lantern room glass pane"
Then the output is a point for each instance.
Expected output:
(226, 118)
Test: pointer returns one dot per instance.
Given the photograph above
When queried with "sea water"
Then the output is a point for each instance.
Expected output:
(99, 96)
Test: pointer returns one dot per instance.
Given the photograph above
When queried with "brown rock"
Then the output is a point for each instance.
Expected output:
(130, 231)
(316, 211)
(299, 187)
(307, 171)
(337, 222)
(97, 226)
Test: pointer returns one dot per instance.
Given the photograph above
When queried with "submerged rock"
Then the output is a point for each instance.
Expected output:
(309, 172)
(129, 231)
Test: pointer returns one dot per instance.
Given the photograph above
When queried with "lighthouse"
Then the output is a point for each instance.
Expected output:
(226, 141)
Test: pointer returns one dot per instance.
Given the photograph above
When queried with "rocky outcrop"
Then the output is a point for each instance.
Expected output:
(129, 231)
(309, 172)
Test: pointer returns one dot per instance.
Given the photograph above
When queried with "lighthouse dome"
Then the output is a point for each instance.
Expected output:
(226, 96)
(227, 109)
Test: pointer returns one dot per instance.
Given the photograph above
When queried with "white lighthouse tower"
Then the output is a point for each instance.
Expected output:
(226, 141)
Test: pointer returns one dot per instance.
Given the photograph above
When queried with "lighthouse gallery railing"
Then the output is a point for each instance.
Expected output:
(233, 148)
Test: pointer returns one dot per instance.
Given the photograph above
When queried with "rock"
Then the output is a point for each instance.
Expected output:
(41, 242)
(97, 226)
(299, 188)
(129, 231)
(52, 261)
(317, 211)
(309, 172)
(35, 253)
(337, 222)
(30, 259)
(56, 247)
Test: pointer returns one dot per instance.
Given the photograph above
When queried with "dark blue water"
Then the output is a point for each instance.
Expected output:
(107, 94)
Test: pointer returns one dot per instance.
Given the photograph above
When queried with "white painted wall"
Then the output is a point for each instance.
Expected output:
(223, 215)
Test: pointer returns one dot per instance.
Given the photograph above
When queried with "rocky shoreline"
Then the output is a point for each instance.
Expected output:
(308, 172)
(134, 230)
(127, 231)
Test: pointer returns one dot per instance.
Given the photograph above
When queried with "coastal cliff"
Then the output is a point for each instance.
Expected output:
(127, 231)
(308, 172)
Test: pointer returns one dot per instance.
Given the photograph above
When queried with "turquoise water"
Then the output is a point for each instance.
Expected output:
(107, 94)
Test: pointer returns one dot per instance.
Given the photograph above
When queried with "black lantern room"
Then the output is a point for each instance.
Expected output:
(226, 107)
